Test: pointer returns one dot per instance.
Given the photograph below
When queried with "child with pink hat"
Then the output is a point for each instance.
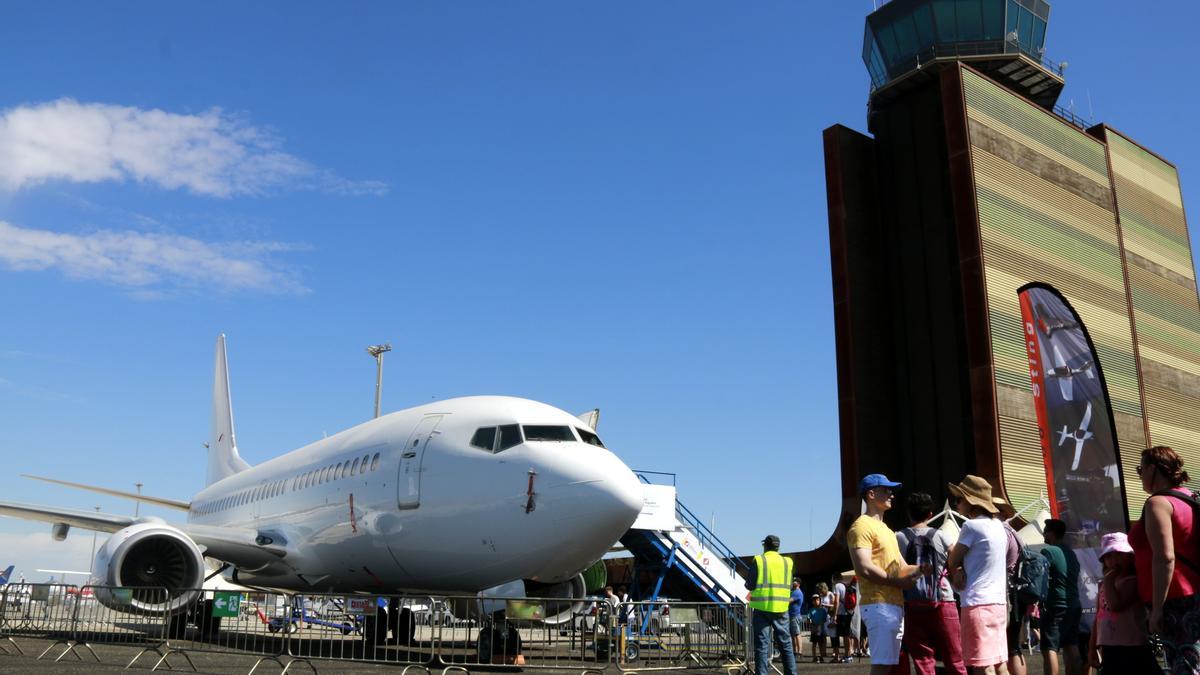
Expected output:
(1119, 643)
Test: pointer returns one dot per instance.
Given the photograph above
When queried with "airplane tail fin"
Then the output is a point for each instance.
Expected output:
(6, 576)
(590, 418)
(223, 458)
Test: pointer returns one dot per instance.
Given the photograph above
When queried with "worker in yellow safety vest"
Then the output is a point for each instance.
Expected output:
(770, 590)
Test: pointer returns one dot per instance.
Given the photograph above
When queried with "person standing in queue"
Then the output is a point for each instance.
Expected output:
(1061, 607)
(931, 628)
(882, 572)
(976, 567)
(841, 623)
(1166, 559)
(796, 616)
(770, 594)
(1017, 608)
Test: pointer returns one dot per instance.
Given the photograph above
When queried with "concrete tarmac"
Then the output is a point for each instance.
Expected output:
(113, 660)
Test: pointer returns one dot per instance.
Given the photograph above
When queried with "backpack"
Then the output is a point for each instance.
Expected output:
(921, 551)
(1031, 581)
(851, 599)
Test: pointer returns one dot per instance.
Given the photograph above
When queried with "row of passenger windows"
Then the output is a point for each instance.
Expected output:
(337, 471)
(498, 439)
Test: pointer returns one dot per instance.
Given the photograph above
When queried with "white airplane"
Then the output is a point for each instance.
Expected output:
(1063, 373)
(1079, 435)
(459, 496)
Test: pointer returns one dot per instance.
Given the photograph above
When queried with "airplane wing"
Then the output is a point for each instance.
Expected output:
(1059, 361)
(1064, 386)
(87, 520)
(244, 547)
(160, 501)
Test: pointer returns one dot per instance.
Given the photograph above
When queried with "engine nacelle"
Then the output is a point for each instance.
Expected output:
(145, 560)
(563, 600)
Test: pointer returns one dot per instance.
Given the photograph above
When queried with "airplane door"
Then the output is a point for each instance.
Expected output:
(409, 481)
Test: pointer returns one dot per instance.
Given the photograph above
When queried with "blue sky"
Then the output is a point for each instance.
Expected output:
(614, 204)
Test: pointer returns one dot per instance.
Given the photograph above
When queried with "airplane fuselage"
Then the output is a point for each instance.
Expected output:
(407, 501)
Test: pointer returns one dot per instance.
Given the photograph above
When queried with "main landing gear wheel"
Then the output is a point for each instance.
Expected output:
(210, 626)
(402, 622)
(375, 627)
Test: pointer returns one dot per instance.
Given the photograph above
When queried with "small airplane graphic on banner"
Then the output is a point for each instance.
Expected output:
(1079, 435)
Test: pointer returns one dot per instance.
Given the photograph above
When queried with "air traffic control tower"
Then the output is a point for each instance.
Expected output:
(971, 185)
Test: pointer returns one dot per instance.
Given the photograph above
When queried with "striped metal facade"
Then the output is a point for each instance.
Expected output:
(1047, 213)
(1162, 286)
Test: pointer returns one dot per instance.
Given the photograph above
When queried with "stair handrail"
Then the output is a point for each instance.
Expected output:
(703, 533)
(700, 574)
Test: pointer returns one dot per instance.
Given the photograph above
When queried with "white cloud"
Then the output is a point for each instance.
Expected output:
(150, 265)
(212, 153)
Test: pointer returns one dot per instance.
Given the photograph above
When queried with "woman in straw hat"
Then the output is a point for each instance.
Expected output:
(1165, 555)
(977, 564)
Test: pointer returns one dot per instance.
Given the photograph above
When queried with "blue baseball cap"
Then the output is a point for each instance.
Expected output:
(874, 480)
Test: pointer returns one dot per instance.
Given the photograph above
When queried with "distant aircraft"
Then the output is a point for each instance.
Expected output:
(1079, 435)
(458, 496)
(6, 575)
(65, 573)
(1064, 373)
(1052, 325)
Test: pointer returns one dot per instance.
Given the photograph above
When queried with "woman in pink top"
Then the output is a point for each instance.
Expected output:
(1119, 643)
(1166, 559)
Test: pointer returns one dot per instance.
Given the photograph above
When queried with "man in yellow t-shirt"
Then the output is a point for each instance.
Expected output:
(882, 572)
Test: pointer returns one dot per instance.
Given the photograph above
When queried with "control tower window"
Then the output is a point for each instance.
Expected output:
(589, 438)
(546, 432)
(484, 438)
(510, 435)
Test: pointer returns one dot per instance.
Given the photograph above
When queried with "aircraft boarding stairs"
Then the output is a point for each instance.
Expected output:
(687, 561)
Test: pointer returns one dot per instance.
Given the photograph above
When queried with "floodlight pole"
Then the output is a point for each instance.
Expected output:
(92, 564)
(378, 351)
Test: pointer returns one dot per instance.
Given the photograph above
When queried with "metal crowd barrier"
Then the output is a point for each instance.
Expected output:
(37, 611)
(682, 636)
(515, 631)
(452, 634)
(230, 622)
(112, 616)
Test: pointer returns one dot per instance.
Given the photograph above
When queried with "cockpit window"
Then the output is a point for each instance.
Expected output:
(484, 438)
(589, 438)
(545, 432)
(510, 435)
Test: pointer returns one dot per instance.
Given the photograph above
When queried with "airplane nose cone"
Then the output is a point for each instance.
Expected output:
(627, 495)
(592, 500)
(611, 500)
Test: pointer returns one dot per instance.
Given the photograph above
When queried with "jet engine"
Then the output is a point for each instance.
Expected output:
(565, 598)
(559, 601)
(149, 568)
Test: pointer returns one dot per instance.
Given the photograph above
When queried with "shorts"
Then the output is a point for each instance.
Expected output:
(1060, 628)
(984, 639)
(796, 623)
(1128, 659)
(817, 637)
(843, 626)
(1016, 621)
(885, 623)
